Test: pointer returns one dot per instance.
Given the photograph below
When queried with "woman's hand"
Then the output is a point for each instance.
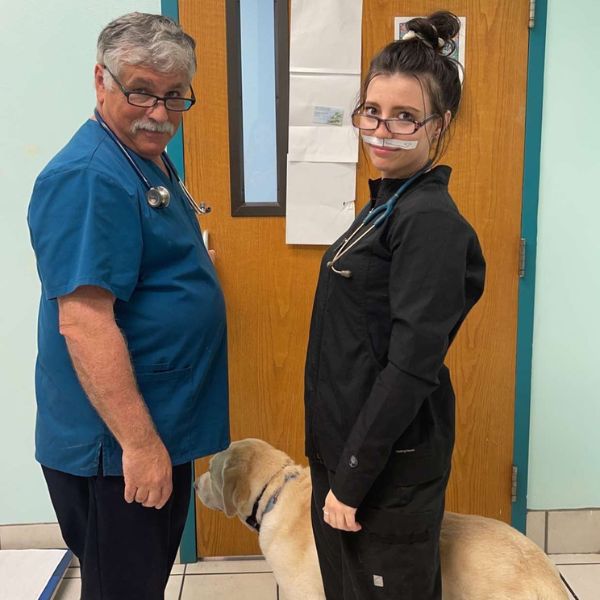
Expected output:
(338, 515)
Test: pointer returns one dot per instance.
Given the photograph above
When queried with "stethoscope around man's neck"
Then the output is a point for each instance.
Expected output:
(157, 196)
(375, 217)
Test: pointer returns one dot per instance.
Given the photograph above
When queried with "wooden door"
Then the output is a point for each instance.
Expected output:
(269, 286)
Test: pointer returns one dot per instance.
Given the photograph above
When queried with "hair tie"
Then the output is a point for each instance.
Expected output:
(411, 35)
(441, 42)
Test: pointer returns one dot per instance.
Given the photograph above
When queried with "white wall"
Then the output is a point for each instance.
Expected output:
(565, 431)
(47, 53)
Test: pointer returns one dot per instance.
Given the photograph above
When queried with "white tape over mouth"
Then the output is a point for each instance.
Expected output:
(390, 142)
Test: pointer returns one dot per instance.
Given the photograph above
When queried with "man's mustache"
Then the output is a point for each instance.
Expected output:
(151, 125)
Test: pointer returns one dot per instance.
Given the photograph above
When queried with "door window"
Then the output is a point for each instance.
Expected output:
(257, 40)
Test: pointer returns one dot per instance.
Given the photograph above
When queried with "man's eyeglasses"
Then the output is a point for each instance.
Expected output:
(144, 100)
(403, 126)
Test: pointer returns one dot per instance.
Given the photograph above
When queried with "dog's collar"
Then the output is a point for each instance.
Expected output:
(252, 520)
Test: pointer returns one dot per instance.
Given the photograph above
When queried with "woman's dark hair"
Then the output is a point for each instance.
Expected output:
(424, 52)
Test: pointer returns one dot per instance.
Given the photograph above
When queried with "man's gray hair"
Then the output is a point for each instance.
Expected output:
(150, 40)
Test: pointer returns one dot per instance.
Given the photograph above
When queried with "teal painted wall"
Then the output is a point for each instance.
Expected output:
(565, 405)
(47, 54)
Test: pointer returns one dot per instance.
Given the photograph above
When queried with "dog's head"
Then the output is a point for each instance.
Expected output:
(237, 476)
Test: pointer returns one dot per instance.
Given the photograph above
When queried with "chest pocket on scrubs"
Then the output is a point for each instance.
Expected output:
(169, 236)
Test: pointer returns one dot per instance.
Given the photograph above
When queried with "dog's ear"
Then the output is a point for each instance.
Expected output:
(236, 489)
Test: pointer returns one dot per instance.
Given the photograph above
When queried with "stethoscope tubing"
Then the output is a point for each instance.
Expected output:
(377, 216)
(200, 210)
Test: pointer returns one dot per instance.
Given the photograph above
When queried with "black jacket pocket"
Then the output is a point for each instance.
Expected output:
(398, 526)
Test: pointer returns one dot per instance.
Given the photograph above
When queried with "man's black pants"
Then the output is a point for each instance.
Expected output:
(396, 554)
(126, 551)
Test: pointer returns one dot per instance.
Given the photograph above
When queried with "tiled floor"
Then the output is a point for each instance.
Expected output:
(582, 572)
(251, 579)
(245, 579)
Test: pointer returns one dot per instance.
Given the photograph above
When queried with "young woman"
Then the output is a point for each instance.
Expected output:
(392, 294)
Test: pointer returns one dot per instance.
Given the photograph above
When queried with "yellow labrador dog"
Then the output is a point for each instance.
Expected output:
(482, 559)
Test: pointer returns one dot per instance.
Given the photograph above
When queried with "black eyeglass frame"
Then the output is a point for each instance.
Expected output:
(165, 100)
(417, 124)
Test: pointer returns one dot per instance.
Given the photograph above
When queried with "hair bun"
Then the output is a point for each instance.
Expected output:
(437, 31)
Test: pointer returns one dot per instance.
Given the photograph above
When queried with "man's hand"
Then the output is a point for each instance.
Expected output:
(148, 475)
(339, 515)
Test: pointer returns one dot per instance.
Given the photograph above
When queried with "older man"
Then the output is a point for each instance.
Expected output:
(131, 376)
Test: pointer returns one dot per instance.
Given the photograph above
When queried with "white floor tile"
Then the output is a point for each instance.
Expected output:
(174, 587)
(583, 579)
(256, 586)
(178, 569)
(258, 565)
(35, 535)
(69, 589)
(575, 559)
(73, 573)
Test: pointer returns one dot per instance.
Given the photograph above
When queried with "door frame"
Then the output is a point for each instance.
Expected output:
(526, 294)
(526, 298)
(188, 552)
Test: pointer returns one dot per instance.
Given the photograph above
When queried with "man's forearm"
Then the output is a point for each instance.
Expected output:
(101, 361)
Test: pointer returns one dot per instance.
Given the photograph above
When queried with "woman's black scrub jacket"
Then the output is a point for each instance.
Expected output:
(377, 393)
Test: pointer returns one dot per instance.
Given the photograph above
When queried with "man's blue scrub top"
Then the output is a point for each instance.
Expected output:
(90, 224)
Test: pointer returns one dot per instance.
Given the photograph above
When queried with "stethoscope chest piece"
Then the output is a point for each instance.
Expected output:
(347, 274)
(158, 197)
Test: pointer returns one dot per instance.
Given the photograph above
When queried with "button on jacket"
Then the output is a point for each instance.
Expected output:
(377, 393)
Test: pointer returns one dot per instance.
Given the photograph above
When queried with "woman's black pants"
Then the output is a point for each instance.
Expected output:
(396, 554)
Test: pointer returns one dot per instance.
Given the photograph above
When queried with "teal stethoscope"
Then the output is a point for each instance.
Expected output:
(375, 217)
(157, 196)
